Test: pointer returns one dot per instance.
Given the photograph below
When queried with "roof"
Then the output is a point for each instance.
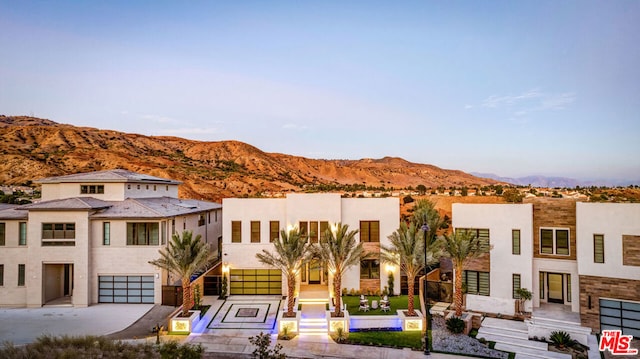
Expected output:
(10, 212)
(116, 175)
(68, 204)
(160, 207)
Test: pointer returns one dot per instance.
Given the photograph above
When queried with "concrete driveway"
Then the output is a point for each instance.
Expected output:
(21, 326)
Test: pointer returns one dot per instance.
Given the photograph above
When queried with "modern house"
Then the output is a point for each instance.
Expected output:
(251, 224)
(90, 238)
(584, 258)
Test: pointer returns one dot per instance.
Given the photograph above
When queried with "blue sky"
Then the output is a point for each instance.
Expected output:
(512, 88)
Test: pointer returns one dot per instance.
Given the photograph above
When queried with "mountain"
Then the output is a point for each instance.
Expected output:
(562, 182)
(33, 148)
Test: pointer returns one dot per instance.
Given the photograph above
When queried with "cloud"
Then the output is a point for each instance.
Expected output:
(520, 106)
(466, 107)
(500, 101)
(159, 119)
(188, 131)
(558, 102)
(293, 126)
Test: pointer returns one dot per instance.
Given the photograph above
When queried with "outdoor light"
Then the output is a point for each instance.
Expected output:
(390, 268)
(225, 267)
(425, 229)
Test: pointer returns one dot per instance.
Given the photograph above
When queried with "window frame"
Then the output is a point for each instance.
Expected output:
(516, 242)
(22, 233)
(255, 231)
(133, 228)
(274, 231)
(479, 276)
(553, 249)
(370, 265)
(201, 220)
(3, 234)
(236, 231)
(516, 277)
(106, 233)
(1, 275)
(367, 233)
(597, 237)
(22, 275)
(91, 189)
(59, 233)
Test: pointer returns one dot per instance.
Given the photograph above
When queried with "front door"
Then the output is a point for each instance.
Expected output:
(314, 272)
(555, 288)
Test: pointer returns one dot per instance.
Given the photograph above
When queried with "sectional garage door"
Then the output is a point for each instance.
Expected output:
(255, 281)
(125, 289)
(620, 315)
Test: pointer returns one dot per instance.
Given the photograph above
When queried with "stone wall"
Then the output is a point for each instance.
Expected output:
(603, 287)
(554, 213)
(631, 250)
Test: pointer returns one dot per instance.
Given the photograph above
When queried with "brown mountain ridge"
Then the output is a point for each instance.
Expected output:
(33, 148)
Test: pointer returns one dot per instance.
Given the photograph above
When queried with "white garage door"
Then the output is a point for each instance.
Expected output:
(620, 315)
(125, 289)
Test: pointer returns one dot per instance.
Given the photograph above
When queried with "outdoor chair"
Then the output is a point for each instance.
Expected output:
(384, 306)
(364, 306)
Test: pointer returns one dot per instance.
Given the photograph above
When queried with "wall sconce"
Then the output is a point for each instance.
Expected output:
(390, 268)
(225, 267)
(157, 275)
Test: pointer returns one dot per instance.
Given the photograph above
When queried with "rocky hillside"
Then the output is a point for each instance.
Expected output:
(33, 148)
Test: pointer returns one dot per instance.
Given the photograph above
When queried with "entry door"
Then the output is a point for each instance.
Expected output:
(314, 272)
(555, 288)
(68, 279)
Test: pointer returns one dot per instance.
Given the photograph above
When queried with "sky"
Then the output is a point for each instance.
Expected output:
(513, 88)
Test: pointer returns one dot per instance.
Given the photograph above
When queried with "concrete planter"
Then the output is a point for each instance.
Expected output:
(292, 323)
(410, 323)
(374, 321)
(333, 323)
(184, 325)
(466, 317)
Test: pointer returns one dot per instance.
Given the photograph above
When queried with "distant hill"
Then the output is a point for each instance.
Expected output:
(551, 182)
(33, 148)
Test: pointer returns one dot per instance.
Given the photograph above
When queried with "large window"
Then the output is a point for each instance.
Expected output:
(58, 231)
(369, 231)
(515, 284)
(476, 282)
(21, 275)
(106, 233)
(236, 232)
(201, 220)
(370, 269)
(598, 248)
(554, 241)
(255, 231)
(143, 234)
(2, 234)
(481, 233)
(22, 240)
(274, 230)
(515, 241)
(314, 229)
(91, 189)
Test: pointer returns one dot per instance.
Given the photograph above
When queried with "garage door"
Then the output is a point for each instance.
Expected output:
(125, 289)
(255, 281)
(620, 315)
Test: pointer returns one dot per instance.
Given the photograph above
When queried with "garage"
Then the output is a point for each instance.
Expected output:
(255, 281)
(620, 315)
(125, 289)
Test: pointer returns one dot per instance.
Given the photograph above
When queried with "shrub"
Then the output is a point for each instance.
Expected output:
(560, 338)
(341, 336)
(455, 325)
(262, 342)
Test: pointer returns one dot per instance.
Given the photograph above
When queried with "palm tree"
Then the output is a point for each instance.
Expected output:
(184, 257)
(407, 252)
(339, 250)
(460, 247)
(291, 253)
(425, 212)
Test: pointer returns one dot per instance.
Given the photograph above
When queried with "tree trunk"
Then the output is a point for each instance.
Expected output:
(186, 296)
(458, 297)
(411, 284)
(337, 282)
(291, 287)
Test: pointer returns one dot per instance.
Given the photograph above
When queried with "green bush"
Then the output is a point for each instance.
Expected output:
(455, 325)
(560, 338)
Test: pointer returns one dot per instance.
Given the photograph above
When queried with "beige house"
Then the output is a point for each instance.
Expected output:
(91, 237)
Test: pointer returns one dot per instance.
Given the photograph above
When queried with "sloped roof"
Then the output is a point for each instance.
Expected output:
(160, 207)
(117, 175)
(11, 212)
(68, 204)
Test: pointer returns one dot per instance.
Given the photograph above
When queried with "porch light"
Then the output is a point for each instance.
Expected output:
(225, 267)
(390, 268)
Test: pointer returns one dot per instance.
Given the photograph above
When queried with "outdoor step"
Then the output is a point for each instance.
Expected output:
(560, 324)
(509, 340)
(532, 352)
(503, 332)
(507, 325)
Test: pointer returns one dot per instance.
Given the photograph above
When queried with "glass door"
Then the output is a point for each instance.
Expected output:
(314, 272)
(555, 288)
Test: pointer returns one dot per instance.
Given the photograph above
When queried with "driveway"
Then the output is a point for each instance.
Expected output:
(24, 325)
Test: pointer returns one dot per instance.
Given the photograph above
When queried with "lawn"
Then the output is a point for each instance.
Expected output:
(396, 302)
(391, 339)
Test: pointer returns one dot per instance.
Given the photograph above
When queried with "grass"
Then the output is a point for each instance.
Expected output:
(389, 339)
(395, 302)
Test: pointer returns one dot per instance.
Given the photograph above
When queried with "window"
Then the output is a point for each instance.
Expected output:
(147, 187)
(369, 231)
(515, 241)
(209, 217)
(163, 232)
(22, 241)
(313, 232)
(515, 281)
(142, 234)
(58, 231)
(1, 275)
(304, 229)
(106, 233)
(166, 188)
(541, 286)
(128, 186)
(482, 234)
(370, 269)
(236, 232)
(21, 275)
(91, 189)
(201, 220)
(216, 215)
(138, 187)
(154, 187)
(568, 287)
(2, 234)
(313, 229)
(476, 282)
(598, 248)
(255, 231)
(274, 230)
(324, 225)
(554, 241)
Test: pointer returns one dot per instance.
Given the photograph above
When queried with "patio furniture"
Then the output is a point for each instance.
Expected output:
(364, 305)
(384, 306)
(374, 304)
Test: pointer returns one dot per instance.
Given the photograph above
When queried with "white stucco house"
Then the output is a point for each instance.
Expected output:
(90, 238)
(251, 223)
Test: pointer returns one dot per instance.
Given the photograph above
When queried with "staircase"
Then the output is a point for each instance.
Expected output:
(313, 319)
(512, 336)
